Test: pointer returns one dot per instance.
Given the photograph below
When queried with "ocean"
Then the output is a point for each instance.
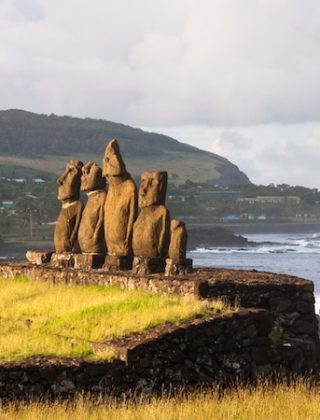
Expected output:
(295, 254)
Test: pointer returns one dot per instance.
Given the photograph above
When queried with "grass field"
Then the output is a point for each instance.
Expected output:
(295, 402)
(37, 318)
(186, 166)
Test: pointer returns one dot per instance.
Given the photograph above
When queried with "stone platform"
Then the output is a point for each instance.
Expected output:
(290, 298)
(161, 359)
(154, 283)
(278, 330)
(246, 288)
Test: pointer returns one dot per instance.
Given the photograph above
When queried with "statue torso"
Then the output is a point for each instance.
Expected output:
(120, 214)
(65, 234)
(91, 231)
(151, 232)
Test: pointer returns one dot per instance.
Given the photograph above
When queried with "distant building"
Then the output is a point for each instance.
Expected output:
(19, 180)
(177, 198)
(30, 195)
(218, 195)
(38, 181)
(8, 206)
(230, 218)
(289, 199)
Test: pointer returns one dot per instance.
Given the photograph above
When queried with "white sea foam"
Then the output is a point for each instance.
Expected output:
(278, 244)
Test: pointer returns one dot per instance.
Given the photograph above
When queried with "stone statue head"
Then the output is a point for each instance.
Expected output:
(113, 164)
(69, 182)
(92, 178)
(153, 188)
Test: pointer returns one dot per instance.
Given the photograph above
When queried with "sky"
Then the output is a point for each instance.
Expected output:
(238, 78)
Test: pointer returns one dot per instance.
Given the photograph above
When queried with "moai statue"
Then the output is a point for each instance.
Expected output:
(151, 231)
(177, 263)
(120, 211)
(66, 230)
(91, 229)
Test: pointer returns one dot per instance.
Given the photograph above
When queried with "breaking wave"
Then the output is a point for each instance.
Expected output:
(269, 244)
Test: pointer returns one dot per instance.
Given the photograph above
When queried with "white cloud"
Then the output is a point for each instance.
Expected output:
(274, 153)
(163, 63)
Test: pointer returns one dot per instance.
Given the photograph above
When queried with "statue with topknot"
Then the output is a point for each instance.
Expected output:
(120, 210)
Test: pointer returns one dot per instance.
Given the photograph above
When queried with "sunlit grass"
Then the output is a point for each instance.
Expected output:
(286, 402)
(37, 318)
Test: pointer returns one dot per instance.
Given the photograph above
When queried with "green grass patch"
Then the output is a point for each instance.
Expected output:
(37, 318)
(276, 335)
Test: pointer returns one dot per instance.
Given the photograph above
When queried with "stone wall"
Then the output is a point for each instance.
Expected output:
(154, 283)
(199, 352)
(281, 333)
(219, 349)
(289, 298)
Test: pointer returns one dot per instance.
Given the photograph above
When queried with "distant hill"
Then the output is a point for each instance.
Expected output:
(45, 142)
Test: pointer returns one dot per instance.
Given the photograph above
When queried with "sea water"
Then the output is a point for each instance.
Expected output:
(295, 254)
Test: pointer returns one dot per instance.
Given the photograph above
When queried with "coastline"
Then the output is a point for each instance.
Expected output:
(278, 227)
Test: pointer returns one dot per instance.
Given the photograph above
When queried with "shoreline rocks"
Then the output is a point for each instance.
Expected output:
(203, 237)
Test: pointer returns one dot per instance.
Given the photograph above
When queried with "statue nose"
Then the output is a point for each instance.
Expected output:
(61, 178)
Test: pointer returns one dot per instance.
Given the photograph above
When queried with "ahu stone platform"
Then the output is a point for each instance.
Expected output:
(273, 328)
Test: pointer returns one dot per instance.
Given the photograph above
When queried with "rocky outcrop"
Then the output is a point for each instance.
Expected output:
(205, 237)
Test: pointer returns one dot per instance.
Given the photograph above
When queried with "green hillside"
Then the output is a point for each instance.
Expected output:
(44, 143)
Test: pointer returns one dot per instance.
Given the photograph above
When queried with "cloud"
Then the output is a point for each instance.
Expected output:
(29, 9)
(282, 154)
(165, 63)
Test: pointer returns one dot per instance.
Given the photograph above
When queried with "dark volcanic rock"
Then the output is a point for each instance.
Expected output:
(202, 237)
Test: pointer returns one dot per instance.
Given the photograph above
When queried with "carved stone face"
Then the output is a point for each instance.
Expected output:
(112, 161)
(69, 182)
(153, 188)
(92, 177)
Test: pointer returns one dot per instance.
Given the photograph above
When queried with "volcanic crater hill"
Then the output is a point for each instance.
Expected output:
(45, 142)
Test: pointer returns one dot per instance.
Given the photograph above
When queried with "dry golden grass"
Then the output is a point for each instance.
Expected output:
(37, 318)
(281, 402)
